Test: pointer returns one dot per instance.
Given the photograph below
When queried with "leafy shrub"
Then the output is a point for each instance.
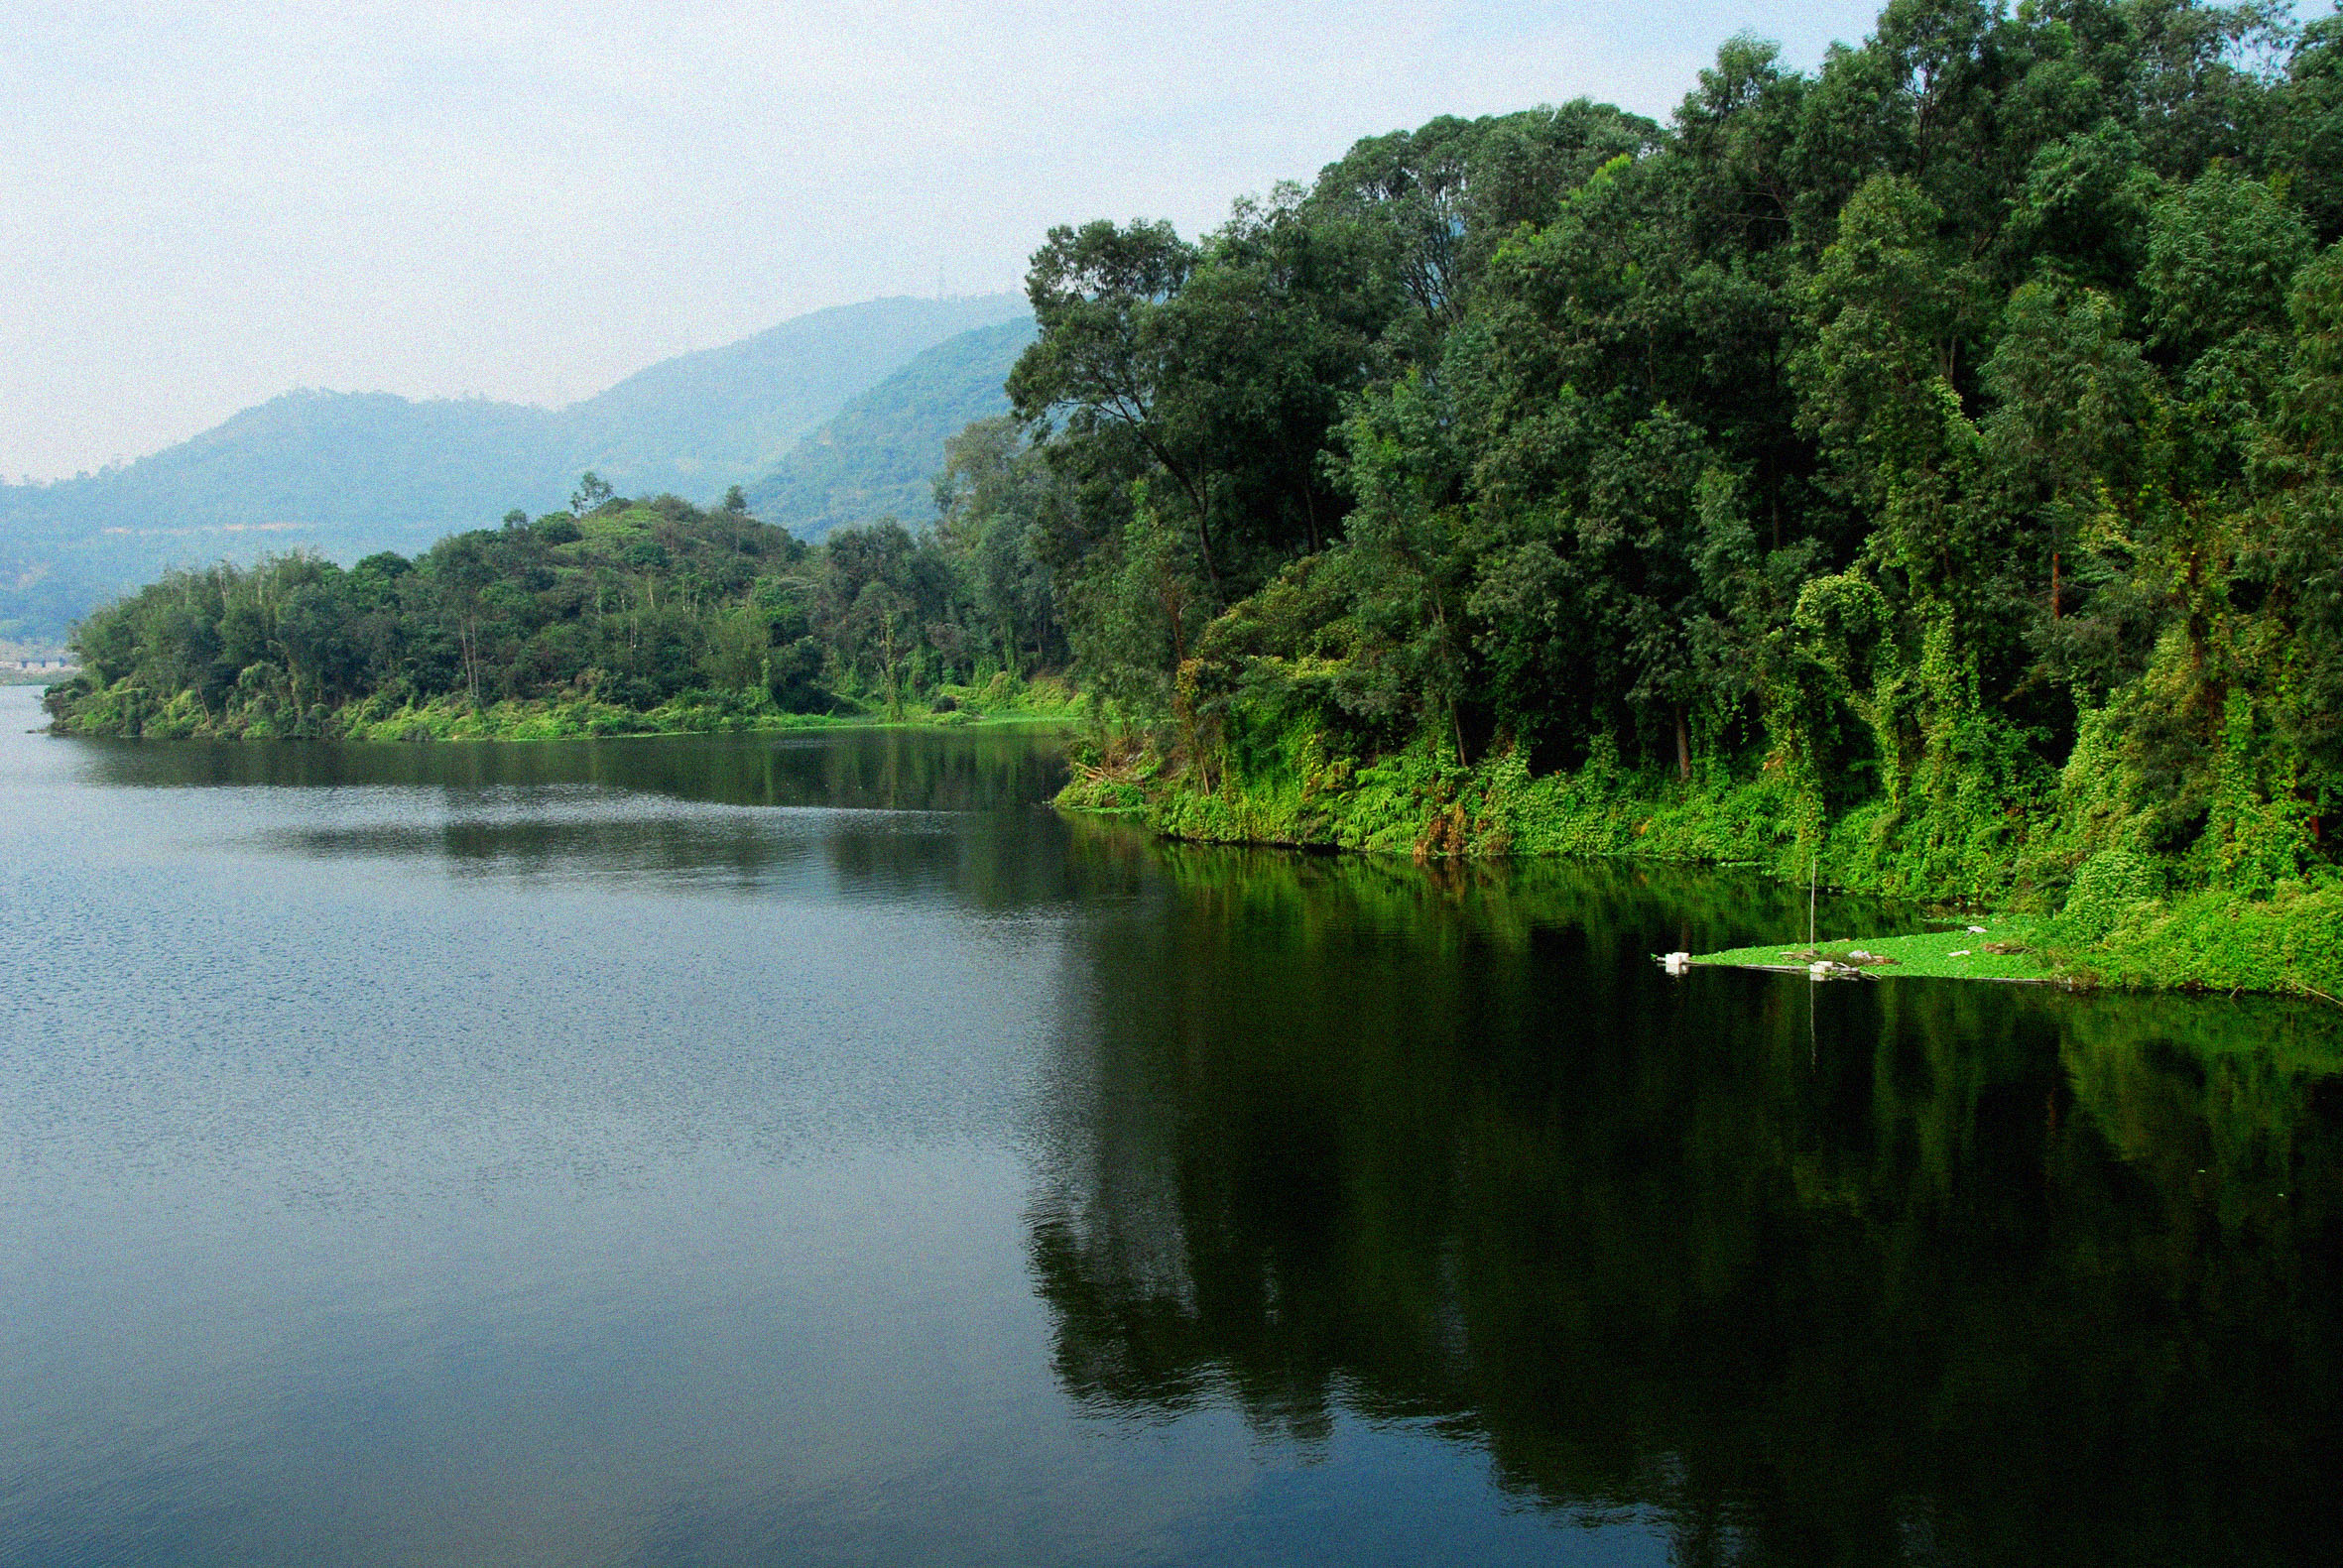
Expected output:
(2110, 887)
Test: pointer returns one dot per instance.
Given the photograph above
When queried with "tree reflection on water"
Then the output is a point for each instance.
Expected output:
(1895, 1271)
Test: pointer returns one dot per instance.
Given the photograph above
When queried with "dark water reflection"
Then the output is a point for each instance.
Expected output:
(1899, 1271)
(560, 1155)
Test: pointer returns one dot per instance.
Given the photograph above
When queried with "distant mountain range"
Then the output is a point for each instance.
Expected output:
(350, 473)
(878, 457)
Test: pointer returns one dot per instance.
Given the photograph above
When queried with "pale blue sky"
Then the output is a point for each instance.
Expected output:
(203, 204)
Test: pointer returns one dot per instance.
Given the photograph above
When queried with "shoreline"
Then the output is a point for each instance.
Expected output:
(817, 725)
(2090, 929)
(134, 715)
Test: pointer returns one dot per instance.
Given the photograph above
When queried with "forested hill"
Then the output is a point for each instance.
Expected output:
(879, 456)
(1929, 468)
(350, 473)
(703, 423)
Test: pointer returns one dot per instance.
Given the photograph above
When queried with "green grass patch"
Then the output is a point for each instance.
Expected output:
(1957, 954)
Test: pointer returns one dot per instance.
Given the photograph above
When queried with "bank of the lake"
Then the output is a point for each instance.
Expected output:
(128, 711)
(2097, 912)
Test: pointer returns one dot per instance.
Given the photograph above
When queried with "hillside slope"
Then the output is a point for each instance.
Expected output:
(880, 455)
(698, 422)
(348, 473)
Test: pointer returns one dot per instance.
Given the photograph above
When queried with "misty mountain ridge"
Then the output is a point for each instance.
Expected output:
(880, 455)
(349, 473)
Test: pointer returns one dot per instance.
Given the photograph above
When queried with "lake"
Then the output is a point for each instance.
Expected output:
(813, 1150)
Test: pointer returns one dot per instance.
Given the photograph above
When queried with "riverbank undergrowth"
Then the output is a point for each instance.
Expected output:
(2236, 914)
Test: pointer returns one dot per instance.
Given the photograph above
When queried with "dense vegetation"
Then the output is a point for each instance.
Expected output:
(611, 617)
(1927, 466)
(348, 474)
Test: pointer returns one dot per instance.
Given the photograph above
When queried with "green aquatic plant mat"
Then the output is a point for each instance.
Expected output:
(2003, 950)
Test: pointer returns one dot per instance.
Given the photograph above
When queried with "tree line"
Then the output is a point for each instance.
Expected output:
(616, 607)
(1949, 434)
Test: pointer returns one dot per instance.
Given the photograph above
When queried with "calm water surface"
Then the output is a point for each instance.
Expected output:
(808, 1150)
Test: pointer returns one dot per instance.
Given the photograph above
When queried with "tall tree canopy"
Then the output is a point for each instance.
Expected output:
(1914, 427)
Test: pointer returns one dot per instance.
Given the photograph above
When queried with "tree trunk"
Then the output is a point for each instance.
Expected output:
(1204, 544)
(1440, 613)
(1198, 495)
(1683, 746)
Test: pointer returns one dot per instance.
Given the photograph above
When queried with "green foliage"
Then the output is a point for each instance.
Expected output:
(2108, 891)
(1924, 470)
(633, 616)
(2217, 940)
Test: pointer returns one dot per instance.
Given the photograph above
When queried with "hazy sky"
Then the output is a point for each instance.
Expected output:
(204, 204)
